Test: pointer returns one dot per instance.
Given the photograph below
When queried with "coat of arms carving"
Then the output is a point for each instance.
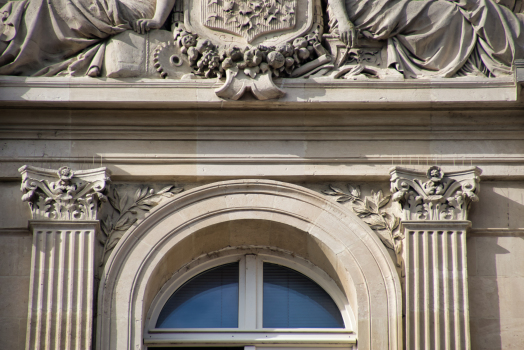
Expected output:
(249, 18)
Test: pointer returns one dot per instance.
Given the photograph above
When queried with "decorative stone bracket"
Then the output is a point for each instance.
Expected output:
(64, 206)
(434, 226)
(63, 194)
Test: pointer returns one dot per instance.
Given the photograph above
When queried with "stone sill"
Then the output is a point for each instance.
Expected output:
(190, 94)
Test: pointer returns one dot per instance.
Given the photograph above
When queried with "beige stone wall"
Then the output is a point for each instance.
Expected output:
(191, 148)
(15, 264)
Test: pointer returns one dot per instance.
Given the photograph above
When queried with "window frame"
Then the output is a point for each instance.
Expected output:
(250, 329)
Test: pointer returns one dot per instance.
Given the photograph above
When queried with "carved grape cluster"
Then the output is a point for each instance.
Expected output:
(209, 61)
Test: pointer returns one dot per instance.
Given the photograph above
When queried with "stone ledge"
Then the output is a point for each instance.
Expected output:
(200, 94)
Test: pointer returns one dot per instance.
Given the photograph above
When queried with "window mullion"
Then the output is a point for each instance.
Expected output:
(242, 294)
(250, 310)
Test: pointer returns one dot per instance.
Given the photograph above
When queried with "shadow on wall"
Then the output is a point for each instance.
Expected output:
(496, 273)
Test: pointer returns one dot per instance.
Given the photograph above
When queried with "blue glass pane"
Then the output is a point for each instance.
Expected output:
(209, 300)
(292, 300)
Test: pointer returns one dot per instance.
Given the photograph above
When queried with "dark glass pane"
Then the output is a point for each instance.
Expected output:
(209, 300)
(292, 300)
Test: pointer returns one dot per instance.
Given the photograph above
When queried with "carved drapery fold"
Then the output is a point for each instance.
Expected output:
(63, 194)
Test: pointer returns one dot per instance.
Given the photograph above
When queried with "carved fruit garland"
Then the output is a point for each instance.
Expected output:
(144, 199)
(370, 210)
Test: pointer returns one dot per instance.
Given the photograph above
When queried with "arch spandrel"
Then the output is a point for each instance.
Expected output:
(211, 217)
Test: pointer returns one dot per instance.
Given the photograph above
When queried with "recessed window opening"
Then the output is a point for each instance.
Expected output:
(247, 300)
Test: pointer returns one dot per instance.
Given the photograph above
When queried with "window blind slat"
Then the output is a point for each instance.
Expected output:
(209, 300)
(292, 300)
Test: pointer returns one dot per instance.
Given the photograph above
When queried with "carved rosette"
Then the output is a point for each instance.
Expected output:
(434, 195)
(63, 194)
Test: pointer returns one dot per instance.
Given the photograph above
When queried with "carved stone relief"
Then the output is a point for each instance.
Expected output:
(237, 41)
(125, 205)
(372, 210)
(438, 197)
(64, 194)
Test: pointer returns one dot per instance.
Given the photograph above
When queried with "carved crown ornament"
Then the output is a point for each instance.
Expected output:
(434, 195)
(64, 194)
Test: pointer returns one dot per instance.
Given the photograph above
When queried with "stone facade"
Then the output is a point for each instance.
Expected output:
(387, 166)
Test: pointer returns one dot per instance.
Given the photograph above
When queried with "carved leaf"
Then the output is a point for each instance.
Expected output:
(336, 189)
(361, 211)
(344, 199)
(123, 201)
(149, 201)
(165, 189)
(144, 192)
(370, 205)
(121, 221)
(329, 192)
(114, 204)
(384, 201)
(176, 190)
(355, 191)
(128, 225)
(116, 196)
(137, 194)
(105, 227)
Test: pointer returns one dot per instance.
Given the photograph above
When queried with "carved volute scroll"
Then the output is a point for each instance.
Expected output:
(434, 195)
(63, 194)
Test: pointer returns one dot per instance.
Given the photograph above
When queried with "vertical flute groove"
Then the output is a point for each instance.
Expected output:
(30, 312)
(90, 281)
(80, 289)
(407, 290)
(436, 286)
(426, 289)
(456, 312)
(50, 279)
(416, 286)
(445, 281)
(40, 293)
(70, 284)
(465, 290)
(60, 291)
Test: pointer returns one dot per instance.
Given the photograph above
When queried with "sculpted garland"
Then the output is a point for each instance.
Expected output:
(248, 43)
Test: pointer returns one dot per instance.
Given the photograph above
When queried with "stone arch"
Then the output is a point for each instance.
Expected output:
(336, 240)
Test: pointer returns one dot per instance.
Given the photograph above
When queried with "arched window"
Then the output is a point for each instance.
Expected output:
(250, 300)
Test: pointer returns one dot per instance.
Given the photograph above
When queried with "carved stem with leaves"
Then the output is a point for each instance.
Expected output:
(144, 199)
(370, 210)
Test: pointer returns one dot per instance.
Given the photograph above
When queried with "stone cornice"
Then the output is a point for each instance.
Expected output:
(156, 93)
(63, 194)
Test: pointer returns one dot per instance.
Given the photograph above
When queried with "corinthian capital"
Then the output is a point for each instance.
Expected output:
(63, 194)
(434, 195)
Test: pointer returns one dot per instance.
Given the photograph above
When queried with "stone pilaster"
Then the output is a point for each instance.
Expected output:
(64, 206)
(434, 224)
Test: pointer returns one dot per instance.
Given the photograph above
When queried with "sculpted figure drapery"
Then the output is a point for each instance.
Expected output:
(424, 38)
(51, 37)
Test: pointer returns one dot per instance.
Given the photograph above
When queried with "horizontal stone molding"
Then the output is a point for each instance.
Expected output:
(201, 93)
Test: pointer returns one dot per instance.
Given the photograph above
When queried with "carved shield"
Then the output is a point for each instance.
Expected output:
(253, 22)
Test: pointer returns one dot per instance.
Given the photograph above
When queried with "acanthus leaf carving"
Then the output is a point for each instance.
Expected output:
(440, 197)
(63, 194)
(125, 211)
